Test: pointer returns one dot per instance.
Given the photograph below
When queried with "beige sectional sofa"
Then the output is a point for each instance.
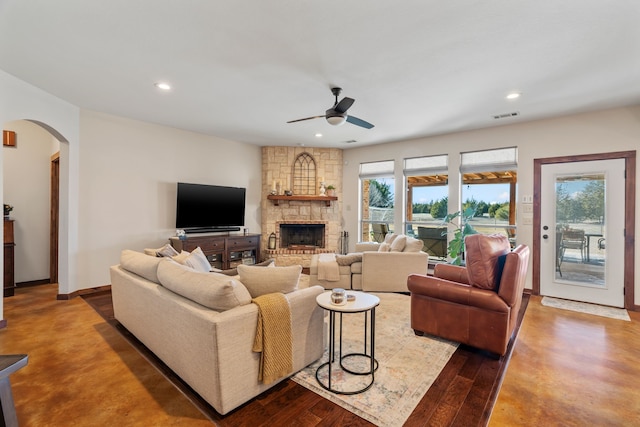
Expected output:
(378, 270)
(202, 325)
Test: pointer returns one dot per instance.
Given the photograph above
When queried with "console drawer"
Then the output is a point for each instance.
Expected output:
(236, 243)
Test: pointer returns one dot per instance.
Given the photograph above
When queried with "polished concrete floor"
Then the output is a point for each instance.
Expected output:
(568, 369)
(571, 369)
(81, 371)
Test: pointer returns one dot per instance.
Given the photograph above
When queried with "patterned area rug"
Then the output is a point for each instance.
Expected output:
(583, 307)
(408, 365)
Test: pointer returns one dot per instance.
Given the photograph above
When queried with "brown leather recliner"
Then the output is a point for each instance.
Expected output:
(475, 305)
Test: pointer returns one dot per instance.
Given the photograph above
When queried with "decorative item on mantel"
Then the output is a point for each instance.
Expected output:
(322, 187)
(331, 190)
(7, 209)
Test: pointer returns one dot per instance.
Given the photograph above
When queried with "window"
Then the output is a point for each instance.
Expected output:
(489, 181)
(377, 186)
(427, 189)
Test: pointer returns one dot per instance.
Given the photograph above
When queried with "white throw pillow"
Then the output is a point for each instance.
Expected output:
(198, 261)
(181, 257)
(384, 247)
(213, 290)
(389, 238)
(413, 245)
(165, 251)
(261, 281)
(398, 244)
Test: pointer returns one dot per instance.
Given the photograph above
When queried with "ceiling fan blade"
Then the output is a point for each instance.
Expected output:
(359, 122)
(344, 105)
(306, 118)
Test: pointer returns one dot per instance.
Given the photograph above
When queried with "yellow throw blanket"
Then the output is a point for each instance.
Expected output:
(273, 337)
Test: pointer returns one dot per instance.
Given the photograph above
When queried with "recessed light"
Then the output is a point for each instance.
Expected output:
(163, 86)
(318, 135)
(513, 95)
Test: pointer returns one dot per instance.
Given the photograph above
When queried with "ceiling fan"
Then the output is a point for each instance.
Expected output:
(337, 114)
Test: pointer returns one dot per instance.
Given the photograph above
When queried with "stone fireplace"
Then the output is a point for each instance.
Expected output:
(304, 224)
(302, 235)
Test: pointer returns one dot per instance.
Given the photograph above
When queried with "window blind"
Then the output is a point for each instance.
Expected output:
(500, 159)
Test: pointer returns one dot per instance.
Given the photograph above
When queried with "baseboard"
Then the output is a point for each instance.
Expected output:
(33, 283)
(81, 292)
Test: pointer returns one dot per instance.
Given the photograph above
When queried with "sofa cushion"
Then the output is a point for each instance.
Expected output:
(348, 259)
(482, 255)
(213, 290)
(356, 268)
(198, 261)
(413, 245)
(398, 243)
(140, 264)
(261, 281)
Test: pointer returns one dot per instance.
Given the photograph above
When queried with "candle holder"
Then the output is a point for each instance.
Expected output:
(323, 189)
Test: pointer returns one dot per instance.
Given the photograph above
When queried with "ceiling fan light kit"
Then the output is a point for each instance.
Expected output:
(336, 120)
(337, 114)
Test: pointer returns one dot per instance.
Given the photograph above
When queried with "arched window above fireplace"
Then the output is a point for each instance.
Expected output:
(304, 175)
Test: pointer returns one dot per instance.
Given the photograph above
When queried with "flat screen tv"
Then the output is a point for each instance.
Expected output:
(202, 208)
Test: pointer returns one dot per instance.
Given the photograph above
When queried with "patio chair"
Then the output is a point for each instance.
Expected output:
(379, 232)
(435, 243)
(573, 238)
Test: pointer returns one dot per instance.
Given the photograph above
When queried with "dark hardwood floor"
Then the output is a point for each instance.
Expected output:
(463, 394)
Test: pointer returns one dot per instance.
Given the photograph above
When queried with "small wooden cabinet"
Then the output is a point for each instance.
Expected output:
(223, 252)
(9, 246)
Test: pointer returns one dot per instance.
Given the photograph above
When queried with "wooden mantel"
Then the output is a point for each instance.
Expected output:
(306, 198)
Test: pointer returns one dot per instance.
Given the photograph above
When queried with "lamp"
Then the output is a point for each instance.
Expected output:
(272, 241)
(336, 119)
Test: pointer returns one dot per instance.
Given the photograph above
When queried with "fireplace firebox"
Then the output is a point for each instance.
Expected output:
(302, 236)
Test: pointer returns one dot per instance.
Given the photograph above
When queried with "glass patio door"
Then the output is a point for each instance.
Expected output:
(582, 227)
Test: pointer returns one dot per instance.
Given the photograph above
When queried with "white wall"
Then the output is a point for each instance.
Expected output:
(128, 175)
(118, 177)
(598, 132)
(26, 170)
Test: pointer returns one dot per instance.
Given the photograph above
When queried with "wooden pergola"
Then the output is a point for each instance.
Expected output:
(510, 177)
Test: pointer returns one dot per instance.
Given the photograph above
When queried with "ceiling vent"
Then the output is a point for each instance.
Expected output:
(351, 141)
(506, 115)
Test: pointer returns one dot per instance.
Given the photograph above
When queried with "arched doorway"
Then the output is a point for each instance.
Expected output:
(31, 182)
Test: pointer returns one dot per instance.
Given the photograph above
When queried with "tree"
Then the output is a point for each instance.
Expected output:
(482, 208)
(503, 212)
(470, 204)
(439, 208)
(563, 200)
(380, 194)
(591, 200)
